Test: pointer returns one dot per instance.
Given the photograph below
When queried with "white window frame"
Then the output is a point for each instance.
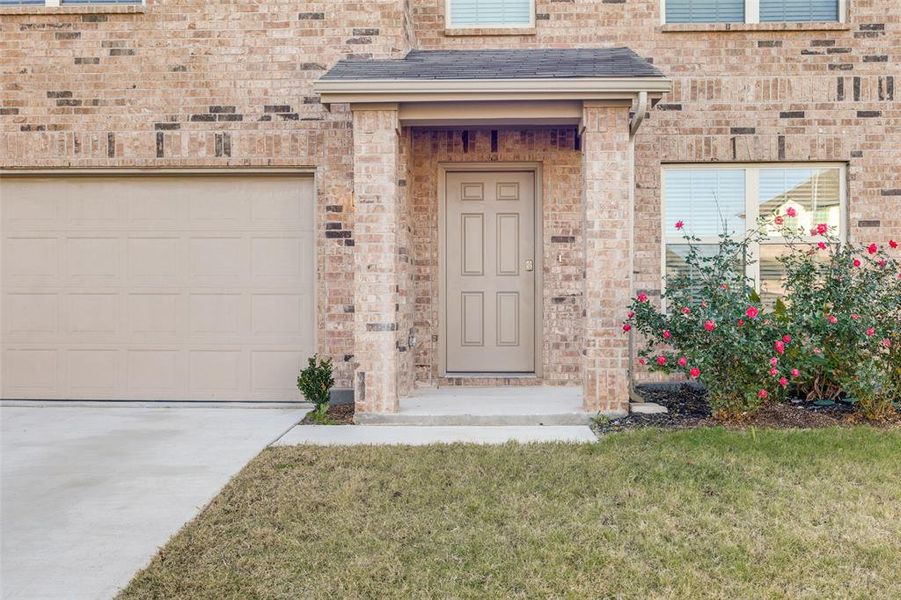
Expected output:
(448, 24)
(59, 4)
(752, 179)
(752, 14)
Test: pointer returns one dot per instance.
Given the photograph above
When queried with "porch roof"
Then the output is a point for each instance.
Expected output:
(478, 75)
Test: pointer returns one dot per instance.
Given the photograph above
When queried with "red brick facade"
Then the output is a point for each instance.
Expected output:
(229, 84)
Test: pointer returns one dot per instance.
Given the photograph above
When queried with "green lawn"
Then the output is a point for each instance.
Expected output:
(648, 514)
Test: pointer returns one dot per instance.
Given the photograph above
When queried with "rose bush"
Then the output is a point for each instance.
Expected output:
(836, 332)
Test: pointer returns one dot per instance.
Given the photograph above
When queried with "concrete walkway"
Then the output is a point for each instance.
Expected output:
(351, 435)
(89, 494)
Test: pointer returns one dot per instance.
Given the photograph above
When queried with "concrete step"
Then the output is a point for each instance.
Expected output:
(473, 419)
(352, 435)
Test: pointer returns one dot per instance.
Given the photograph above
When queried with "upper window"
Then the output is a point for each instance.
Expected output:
(750, 11)
(57, 3)
(490, 13)
(711, 200)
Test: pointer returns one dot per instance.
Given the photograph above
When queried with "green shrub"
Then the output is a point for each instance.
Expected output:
(843, 304)
(836, 332)
(715, 330)
(315, 382)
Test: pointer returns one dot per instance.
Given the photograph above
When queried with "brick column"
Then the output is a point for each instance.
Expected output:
(376, 273)
(607, 204)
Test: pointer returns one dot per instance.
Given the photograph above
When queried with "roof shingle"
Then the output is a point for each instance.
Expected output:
(498, 64)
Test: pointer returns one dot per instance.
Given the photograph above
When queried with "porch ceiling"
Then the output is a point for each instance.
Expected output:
(535, 85)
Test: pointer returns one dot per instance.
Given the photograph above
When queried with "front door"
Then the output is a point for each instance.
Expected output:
(490, 272)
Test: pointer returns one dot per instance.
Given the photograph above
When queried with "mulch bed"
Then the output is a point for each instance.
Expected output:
(340, 414)
(688, 407)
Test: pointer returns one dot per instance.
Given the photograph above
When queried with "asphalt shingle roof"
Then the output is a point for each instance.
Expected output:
(499, 64)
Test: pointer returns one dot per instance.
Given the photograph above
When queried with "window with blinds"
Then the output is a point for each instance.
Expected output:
(751, 11)
(490, 13)
(798, 10)
(705, 11)
(712, 200)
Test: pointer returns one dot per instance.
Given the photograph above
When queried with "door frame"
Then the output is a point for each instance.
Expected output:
(455, 167)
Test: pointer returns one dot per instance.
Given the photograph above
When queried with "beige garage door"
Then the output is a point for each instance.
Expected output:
(156, 288)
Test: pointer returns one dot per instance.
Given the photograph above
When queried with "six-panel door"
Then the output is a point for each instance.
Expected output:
(490, 272)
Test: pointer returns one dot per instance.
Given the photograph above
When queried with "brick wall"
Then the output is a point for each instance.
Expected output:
(228, 83)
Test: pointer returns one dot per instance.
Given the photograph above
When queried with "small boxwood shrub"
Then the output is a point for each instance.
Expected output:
(315, 382)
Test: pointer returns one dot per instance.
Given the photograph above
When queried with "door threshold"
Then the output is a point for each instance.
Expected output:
(492, 375)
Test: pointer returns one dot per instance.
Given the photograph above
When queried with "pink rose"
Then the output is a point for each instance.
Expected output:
(683, 361)
(695, 372)
(871, 331)
(787, 338)
(783, 381)
(887, 343)
(832, 319)
(856, 262)
(791, 212)
(752, 312)
(666, 334)
(893, 244)
(855, 317)
(679, 224)
(881, 262)
(642, 297)
(779, 345)
(872, 248)
(709, 325)
(626, 328)
(686, 310)
(821, 245)
(774, 361)
(631, 314)
(774, 371)
(741, 322)
(822, 228)
(762, 394)
(661, 360)
(642, 361)
(796, 373)
(778, 220)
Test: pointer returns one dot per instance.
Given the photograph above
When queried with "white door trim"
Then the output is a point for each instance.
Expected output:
(534, 167)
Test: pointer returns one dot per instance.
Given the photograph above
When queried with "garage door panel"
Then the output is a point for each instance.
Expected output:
(154, 260)
(93, 260)
(30, 372)
(29, 316)
(215, 371)
(153, 315)
(156, 288)
(215, 314)
(90, 315)
(94, 372)
(31, 260)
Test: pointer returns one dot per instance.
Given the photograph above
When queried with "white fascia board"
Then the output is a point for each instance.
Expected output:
(430, 90)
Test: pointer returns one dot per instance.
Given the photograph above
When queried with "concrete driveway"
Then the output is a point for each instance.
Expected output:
(88, 494)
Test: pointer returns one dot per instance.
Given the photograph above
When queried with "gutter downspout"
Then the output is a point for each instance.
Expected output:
(637, 120)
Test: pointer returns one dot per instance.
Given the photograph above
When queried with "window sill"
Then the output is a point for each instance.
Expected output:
(82, 9)
(712, 27)
(474, 31)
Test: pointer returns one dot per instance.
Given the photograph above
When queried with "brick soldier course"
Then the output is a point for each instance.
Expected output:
(230, 85)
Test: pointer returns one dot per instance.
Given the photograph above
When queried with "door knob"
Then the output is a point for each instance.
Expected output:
(530, 265)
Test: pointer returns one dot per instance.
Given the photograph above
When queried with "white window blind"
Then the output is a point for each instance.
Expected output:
(798, 10)
(711, 200)
(490, 13)
(705, 11)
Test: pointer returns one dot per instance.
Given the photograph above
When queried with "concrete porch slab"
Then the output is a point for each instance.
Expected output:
(488, 406)
(351, 435)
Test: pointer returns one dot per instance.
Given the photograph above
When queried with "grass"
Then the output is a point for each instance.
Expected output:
(704, 513)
